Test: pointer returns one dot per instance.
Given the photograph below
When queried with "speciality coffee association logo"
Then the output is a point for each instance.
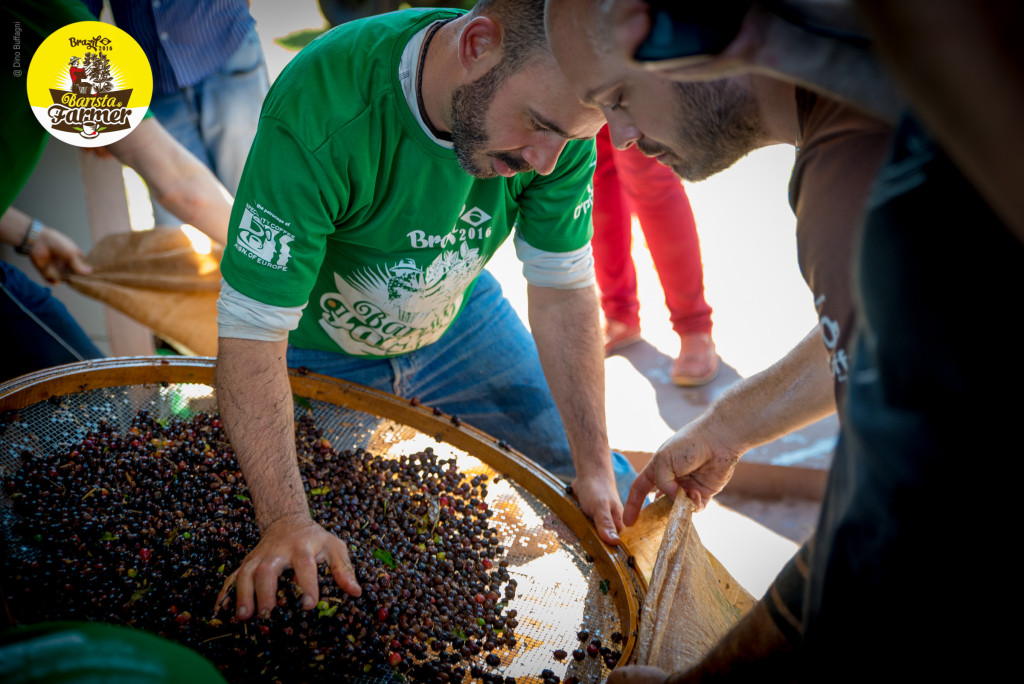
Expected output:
(89, 84)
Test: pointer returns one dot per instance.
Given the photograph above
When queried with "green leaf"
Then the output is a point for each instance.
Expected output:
(603, 586)
(108, 536)
(139, 593)
(303, 402)
(384, 557)
(241, 497)
(319, 491)
(296, 40)
(459, 632)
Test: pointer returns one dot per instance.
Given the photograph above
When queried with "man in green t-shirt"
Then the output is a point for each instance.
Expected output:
(394, 155)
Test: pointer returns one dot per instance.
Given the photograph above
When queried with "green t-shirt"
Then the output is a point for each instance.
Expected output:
(348, 204)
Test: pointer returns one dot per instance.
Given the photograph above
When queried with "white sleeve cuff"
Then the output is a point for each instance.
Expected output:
(245, 318)
(560, 270)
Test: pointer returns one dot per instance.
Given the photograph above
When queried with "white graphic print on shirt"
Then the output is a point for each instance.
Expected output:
(263, 238)
(394, 308)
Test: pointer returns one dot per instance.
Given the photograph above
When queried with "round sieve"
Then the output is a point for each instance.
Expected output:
(568, 579)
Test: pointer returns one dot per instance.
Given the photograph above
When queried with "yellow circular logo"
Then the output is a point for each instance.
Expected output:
(89, 84)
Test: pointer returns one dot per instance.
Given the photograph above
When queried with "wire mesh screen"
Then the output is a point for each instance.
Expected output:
(561, 591)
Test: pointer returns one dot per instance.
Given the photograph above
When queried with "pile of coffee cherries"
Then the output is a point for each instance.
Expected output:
(141, 527)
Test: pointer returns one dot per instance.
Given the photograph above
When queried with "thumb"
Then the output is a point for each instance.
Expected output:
(51, 273)
(79, 265)
(605, 525)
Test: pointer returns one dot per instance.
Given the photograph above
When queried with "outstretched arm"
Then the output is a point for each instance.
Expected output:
(701, 457)
(566, 327)
(176, 178)
(256, 405)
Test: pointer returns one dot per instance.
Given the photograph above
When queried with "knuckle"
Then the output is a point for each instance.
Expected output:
(252, 561)
(265, 572)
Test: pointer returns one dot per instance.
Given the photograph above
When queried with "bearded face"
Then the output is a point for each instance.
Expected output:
(469, 114)
(713, 125)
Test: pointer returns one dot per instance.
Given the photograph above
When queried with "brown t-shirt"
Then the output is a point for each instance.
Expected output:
(839, 153)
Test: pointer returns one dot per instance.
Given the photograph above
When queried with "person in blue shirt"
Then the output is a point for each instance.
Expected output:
(209, 77)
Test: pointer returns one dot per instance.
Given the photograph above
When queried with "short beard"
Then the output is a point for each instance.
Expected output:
(717, 124)
(467, 118)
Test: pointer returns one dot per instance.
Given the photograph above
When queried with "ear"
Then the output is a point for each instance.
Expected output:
(480, 46)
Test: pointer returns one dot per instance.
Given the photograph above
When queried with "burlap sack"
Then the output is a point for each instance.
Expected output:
(157, 277)
(692, 600)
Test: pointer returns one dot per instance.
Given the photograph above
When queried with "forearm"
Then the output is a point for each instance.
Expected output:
(256, 406)
(754, 649)
(566, 327)
(199, 199)
(795, 391)
(176, 179)
(13, 226)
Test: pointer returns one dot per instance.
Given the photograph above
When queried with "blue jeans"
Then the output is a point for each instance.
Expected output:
(484, 369)
(38, 331)
(216, 118)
